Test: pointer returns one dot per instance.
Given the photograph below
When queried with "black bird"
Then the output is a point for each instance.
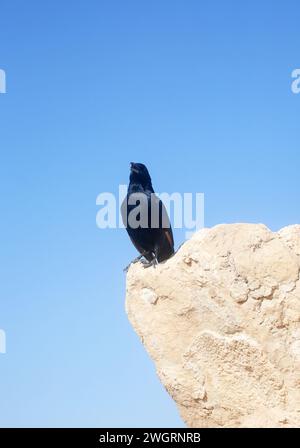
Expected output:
(146, 219)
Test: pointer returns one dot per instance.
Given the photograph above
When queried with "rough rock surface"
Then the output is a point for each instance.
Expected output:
(220, 320)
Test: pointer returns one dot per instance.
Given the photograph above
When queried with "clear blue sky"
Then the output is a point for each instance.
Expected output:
(200, 92)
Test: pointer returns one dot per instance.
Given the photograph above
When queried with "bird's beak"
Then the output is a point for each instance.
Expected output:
(133, 168)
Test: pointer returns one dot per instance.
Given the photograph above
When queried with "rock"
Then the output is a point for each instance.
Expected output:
(220, 320)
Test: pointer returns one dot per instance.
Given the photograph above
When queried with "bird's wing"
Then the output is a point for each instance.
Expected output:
(164, 221)
(169, 235)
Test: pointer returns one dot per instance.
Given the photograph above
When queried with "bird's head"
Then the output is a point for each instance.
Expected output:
(139, 174)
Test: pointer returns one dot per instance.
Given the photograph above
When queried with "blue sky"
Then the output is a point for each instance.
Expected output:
(198, 91)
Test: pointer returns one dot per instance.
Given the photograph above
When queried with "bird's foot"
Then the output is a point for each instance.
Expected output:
(132, 262)
(148, 264)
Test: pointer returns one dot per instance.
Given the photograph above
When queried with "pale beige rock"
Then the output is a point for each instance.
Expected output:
(221, 321)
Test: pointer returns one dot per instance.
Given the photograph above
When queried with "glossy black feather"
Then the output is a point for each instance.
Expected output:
(155, 239)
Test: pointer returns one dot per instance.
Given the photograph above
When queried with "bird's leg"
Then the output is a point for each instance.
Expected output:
(132, 262)
(153, 262)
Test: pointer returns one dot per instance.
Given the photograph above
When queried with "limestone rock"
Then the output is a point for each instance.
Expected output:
(221, 321)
